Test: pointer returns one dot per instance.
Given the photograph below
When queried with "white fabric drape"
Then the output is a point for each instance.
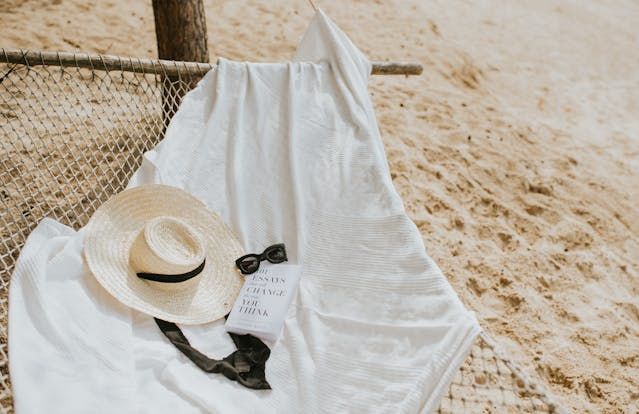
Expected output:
(285, 152)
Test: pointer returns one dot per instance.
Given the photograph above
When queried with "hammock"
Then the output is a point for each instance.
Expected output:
(73, 128)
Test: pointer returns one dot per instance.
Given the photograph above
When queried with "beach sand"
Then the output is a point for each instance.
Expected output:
(516, 153)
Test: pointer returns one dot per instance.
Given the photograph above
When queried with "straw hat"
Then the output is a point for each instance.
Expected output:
(165, 232)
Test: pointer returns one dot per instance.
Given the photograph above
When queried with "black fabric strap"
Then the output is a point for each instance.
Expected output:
(156, 277)
(246, 365)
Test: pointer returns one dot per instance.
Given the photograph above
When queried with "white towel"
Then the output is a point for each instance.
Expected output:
(285, 152)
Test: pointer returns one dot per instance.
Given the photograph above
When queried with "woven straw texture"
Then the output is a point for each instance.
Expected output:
(71, 136)
(116, 233)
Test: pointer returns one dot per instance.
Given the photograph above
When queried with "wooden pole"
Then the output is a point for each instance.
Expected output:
(180, 29)
(160, 67)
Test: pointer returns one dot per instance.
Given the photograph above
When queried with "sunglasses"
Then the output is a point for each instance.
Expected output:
(249, 263)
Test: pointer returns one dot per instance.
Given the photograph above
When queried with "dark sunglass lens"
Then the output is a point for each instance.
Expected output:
(276, 255)
(249, 265)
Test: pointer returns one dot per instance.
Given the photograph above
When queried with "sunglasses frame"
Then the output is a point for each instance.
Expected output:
(261, 257)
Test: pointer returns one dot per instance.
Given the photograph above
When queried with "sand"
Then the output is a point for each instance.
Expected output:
(516, 153)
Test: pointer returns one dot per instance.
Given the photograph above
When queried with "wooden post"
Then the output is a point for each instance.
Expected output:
(180, 29)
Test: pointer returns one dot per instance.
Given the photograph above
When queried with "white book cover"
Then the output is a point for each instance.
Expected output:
(261, 307)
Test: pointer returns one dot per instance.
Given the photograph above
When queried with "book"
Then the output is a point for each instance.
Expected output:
(263, 302)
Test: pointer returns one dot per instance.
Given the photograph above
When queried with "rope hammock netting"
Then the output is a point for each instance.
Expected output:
(73, 128)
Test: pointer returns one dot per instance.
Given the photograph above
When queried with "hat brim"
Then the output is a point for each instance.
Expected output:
(117, 222)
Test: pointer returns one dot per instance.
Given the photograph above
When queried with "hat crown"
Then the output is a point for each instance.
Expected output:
(167, 246)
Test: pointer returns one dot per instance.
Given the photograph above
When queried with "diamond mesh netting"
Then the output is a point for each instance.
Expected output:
(71, 134)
